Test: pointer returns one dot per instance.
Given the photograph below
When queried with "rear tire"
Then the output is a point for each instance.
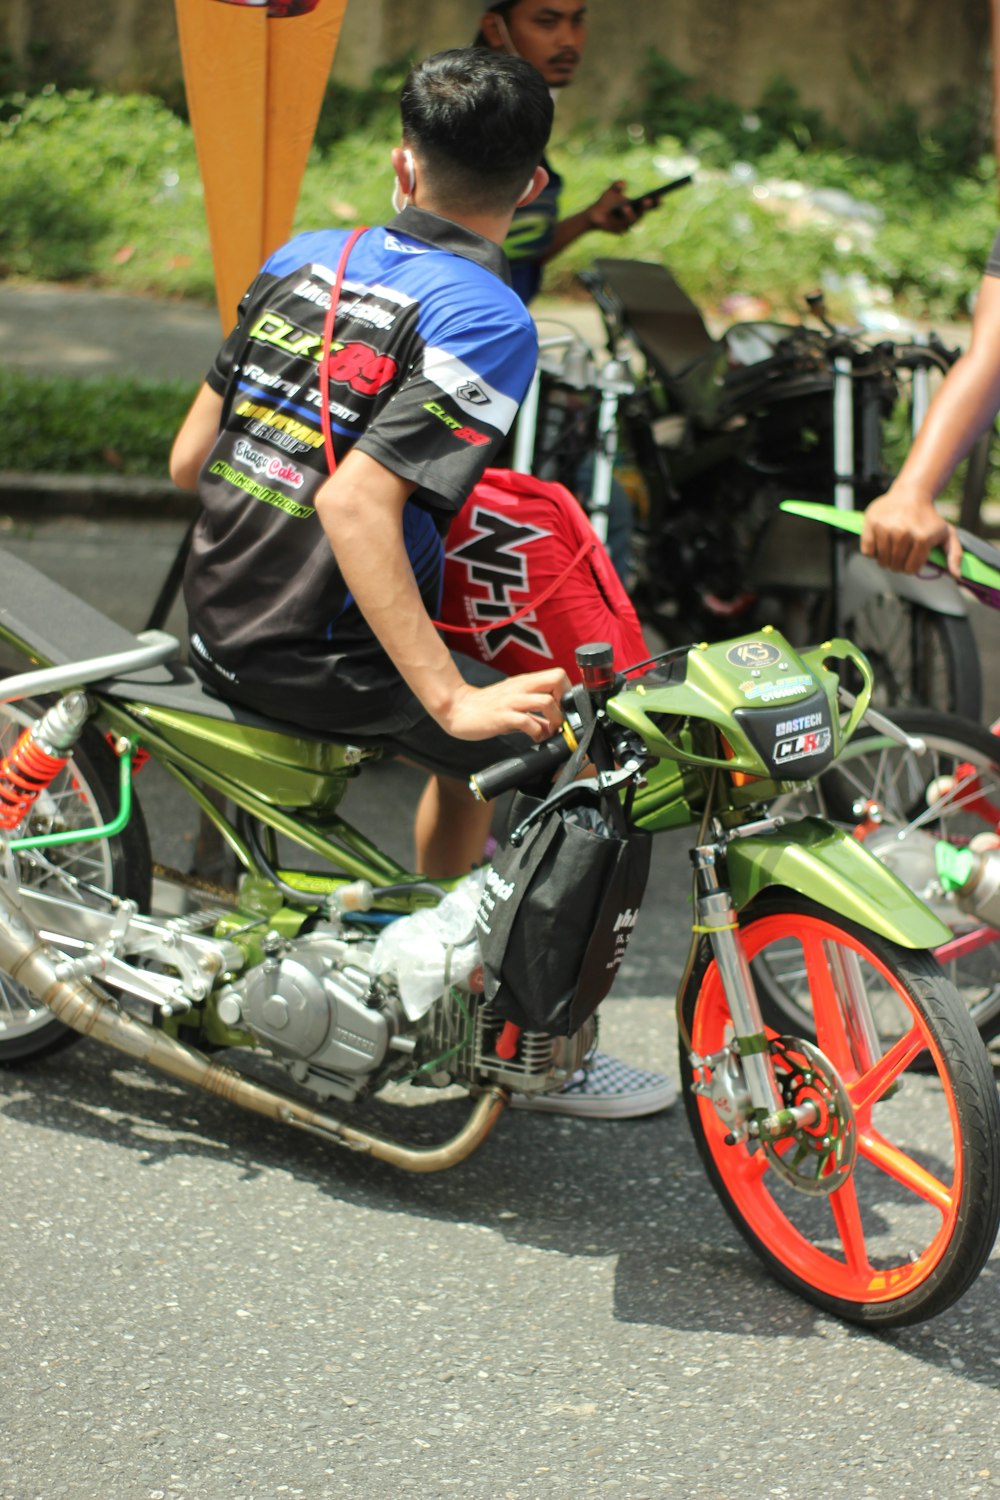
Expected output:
(83, 795)
(919, 657)
(912, 1222)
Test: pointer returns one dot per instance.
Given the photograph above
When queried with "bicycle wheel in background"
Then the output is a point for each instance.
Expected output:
(901, 803)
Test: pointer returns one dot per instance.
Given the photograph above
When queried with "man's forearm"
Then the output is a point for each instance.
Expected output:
(963, 408)
(361, 510)
(568, 230)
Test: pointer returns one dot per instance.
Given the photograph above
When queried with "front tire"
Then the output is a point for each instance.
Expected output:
(909, 1229)
(83, 795)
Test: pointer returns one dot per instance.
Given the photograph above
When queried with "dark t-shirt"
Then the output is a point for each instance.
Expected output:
(432, 354)
(530, 236)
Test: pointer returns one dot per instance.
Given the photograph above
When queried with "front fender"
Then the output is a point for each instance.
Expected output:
(830, 867)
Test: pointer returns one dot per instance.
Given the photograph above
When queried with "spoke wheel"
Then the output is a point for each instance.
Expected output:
(82, 795)
(907, 1230)
(950, 791)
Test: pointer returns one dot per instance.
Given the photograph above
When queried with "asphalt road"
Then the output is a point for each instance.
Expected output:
(203, 1306)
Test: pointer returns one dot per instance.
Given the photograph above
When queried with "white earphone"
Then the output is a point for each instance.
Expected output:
(401, 198)
(529, 188)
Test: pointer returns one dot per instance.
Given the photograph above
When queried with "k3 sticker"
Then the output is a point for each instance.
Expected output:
(753, 654)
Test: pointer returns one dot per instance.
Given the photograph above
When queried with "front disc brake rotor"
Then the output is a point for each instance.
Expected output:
(816, 1156)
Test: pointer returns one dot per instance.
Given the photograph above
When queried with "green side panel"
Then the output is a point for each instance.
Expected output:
(280, 770)
(829, 866)
(665, 800)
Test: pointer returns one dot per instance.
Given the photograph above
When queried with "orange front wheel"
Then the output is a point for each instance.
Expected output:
(882, 1201)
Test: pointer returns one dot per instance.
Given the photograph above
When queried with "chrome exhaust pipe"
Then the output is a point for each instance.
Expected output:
(32, 964)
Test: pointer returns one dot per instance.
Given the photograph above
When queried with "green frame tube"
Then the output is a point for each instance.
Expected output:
(86, 835)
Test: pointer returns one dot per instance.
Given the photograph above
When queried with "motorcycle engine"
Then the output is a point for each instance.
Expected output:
(314, 1004)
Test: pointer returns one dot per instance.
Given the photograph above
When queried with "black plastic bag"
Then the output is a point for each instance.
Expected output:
(556, 915)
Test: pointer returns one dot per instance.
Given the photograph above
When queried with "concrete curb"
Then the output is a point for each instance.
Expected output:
(94, 495)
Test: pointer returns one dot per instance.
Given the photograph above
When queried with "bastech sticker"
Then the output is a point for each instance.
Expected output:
(796, 726)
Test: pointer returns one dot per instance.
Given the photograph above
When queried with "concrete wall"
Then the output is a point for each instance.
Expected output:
(840, 54)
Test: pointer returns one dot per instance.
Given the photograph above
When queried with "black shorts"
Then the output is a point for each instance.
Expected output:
(407, 730)
(426, 743)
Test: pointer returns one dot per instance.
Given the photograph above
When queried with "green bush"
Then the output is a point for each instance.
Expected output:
(671, 104)
(106, 426)
(372, 111)
(106, 190)
(102, 187)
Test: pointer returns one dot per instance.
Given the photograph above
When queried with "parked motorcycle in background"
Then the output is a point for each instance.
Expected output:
(928, 807)
(709, 434)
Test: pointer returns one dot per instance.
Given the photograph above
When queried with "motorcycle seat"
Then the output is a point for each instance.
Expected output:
(660, 315)
(60, 628)
(652, 310)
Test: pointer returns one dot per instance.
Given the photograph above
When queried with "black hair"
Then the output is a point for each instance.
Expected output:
(479, 121)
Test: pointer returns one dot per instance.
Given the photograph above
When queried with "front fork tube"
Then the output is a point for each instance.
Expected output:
(717, 918)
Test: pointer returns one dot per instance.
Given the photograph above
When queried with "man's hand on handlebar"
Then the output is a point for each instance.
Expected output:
(901, 528)
(527, 704)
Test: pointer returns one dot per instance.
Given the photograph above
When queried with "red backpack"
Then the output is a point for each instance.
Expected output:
(526, 580)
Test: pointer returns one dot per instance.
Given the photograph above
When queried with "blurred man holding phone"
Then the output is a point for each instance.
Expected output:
(551, 34)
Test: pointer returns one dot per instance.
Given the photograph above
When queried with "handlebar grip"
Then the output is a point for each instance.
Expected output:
(540, 760)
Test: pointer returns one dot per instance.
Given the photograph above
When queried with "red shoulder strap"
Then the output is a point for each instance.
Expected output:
(526, 609)
(324, 364)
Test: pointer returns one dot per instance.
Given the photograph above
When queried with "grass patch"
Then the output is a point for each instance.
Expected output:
(105, 190)
(102, 426)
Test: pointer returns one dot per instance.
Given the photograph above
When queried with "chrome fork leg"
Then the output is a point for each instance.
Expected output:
(717, 917)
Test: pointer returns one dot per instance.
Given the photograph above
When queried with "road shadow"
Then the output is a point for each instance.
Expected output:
(632, 1191)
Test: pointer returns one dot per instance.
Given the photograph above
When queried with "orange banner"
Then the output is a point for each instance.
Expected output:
(255, 75)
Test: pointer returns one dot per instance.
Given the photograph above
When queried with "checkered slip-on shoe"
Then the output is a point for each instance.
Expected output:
(606, 1090)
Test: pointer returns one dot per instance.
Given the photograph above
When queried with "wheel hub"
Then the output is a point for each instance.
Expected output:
(811, 1142)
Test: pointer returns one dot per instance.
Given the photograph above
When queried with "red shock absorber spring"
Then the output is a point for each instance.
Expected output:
(24, 775)
(38, 757)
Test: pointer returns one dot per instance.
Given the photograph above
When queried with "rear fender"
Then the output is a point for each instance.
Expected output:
(863, 579)
(830, 867)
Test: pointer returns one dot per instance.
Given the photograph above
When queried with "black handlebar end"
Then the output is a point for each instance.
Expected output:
(518, 770)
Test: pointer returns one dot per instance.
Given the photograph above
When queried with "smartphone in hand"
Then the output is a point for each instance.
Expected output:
(655, 196)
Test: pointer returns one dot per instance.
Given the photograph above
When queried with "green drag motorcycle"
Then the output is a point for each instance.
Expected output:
(860, 1162)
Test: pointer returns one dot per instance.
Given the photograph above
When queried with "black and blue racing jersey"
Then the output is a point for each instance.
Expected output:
(432, 353)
